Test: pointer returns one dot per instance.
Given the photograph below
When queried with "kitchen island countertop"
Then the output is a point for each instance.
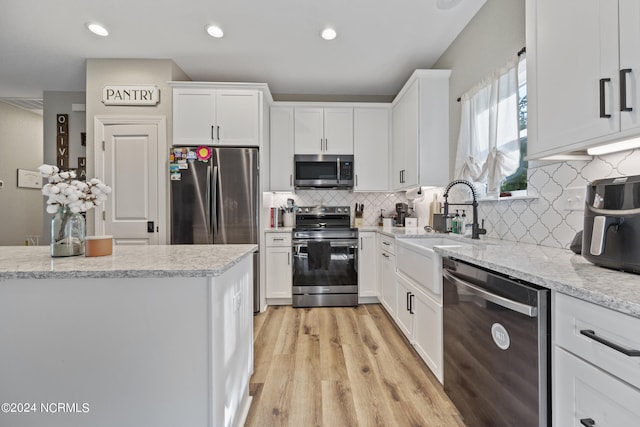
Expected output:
(35, 262)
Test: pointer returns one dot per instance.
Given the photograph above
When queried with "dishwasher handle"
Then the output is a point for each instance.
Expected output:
(519, 307)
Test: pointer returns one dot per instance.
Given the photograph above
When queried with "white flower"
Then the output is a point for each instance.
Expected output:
(48, 170)
(64, 189)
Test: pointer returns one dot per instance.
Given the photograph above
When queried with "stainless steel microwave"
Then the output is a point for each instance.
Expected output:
(323, 171)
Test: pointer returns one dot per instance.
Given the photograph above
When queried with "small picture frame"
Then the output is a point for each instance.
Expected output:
(29, 179)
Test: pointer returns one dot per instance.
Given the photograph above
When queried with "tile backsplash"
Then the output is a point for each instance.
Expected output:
(545, 220)
(372, 202)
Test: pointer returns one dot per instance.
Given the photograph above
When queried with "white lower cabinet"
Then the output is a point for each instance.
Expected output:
(367, 272)
(415, 304)
(419, 317)
(404, 315)
(386, 275)
(427, 331)
(278, 268)
(587, 396)
(596, 375)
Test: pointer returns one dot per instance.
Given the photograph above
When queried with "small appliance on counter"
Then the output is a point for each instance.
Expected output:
(611, 236)
(402, 210)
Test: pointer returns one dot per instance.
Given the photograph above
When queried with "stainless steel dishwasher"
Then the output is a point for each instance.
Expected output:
(496, 347)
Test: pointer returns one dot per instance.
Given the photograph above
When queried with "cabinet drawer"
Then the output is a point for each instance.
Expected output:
(576, 319)
(278, 239)
(388, 244)
(584, 395)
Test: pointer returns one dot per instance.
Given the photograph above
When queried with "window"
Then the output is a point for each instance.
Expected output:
(518, 181)
(492, 139)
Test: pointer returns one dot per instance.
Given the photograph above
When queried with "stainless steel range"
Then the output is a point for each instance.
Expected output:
(325, 257)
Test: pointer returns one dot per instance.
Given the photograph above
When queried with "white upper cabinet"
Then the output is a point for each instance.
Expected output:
(281, 138)
(371, 148)
(420, 134)
(203, 116)
(323, 130)
(583, 57)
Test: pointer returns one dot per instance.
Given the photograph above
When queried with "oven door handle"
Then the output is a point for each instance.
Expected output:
(525, 309)
(334, 244)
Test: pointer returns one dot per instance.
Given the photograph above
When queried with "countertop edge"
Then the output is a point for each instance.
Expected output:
(159, 272)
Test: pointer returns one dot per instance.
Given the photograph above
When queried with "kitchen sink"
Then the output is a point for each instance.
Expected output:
(431, 242)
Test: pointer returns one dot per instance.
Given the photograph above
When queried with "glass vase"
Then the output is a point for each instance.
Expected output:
(67, 233)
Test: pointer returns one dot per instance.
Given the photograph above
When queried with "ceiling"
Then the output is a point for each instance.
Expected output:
(44, 44)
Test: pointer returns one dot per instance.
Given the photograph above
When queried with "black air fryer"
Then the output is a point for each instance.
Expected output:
(612, 223)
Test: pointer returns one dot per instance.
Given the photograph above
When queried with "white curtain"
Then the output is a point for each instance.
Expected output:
(488, 143)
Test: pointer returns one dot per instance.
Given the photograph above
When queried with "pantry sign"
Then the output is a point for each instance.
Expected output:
(130, 95)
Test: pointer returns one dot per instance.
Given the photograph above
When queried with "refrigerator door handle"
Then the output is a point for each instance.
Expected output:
(208, 195)
(214, 203)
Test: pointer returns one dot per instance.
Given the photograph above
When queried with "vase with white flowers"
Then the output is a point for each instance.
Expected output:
(68, 199)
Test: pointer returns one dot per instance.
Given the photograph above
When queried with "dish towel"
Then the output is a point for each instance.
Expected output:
(319, 255)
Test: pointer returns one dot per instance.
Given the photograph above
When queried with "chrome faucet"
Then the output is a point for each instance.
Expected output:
(476, 230)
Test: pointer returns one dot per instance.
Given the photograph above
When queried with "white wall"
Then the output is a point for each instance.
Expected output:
(101, 72)
(21, 144)
(494, 35)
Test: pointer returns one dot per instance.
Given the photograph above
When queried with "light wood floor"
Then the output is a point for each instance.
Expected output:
(341, 367)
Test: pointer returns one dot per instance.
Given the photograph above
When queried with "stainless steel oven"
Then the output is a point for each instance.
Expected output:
(496, 347)
(325, 258)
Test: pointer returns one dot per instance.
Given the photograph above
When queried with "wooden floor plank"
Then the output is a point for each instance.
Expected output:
(333, 367)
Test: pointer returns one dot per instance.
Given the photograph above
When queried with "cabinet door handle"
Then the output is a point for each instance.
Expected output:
(588, 422)
(278, 238)
(385, 255)
(623, 89)
(321, 144)
(356, 180)
(361, 244)
(218, 132)
(291, 179)
(603, 112)
(411, 303)
(212, 137)
(288, 258)
(626, 351)
(326, 144)
(386, 243)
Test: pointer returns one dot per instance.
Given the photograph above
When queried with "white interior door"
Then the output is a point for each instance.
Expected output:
(131, 168)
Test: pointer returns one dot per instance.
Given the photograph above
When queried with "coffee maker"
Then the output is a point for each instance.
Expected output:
(401, 211)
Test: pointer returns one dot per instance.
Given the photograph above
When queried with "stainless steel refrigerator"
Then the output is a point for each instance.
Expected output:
(214, 199)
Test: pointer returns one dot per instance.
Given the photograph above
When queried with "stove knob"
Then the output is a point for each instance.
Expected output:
(306, 210)
(338, 210)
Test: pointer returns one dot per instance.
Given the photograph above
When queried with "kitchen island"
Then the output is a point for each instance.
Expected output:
(151, 335)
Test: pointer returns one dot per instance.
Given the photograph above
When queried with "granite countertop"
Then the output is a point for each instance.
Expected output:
(398, 231)
(279, 230)
(35, 262)
(553, 268)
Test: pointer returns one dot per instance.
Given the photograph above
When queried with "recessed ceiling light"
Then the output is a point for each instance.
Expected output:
(447, 4)
(328, 34)
(97, 29)
(214, 31)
